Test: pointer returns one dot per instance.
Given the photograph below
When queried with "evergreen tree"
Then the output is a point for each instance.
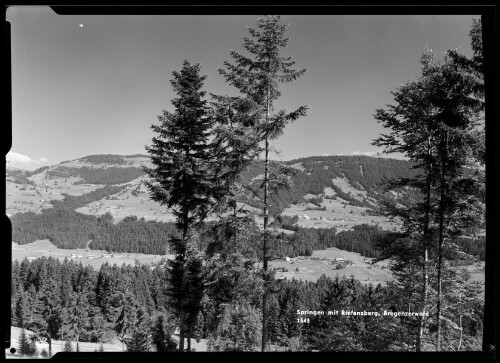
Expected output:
(161, 335)
(106, 292)
(239, 329)
(473, 66)
(181, 172)
(195, 289)
(258, 78)
(139, 338)
(22, 308)
(46, 322)
(459, 187)
(126, 318)
(414, 133)
(436, 124)
(235, 145)
(76, 317)
(26, 346)
(99, 328)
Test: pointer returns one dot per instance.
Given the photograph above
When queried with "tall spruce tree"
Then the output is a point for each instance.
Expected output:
(460, 189)
(435, 123)
(76, 317)
(46, 321)
(235, 146)
(139, 340)
(126, 318)
(161, 335)
(258, 77)
(181, 172)
(413, 133)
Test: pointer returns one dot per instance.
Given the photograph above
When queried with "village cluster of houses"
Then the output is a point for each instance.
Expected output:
(305, 216)
(332, 260)
(90, 257)
(99, 206)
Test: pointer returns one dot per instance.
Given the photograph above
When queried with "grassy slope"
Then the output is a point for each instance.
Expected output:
(57, 345)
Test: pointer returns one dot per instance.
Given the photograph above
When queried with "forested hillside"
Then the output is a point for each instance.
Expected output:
(366, 177)
(91, 175)
(69, 229)
(66, 228)
(364, 174)
(136, 295)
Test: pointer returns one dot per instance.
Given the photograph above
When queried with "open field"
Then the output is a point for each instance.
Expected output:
(57, 345)
(311, 269)
(24, 197)
(336, 216)
(125, 203)
(46, 248)
(136, 201)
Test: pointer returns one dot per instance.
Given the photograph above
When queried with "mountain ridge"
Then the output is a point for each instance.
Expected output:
(352, 179)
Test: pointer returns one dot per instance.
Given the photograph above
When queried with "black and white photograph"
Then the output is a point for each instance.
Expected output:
(248, 182)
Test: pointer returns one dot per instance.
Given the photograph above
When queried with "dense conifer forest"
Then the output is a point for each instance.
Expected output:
(45, 290)
(91, 175)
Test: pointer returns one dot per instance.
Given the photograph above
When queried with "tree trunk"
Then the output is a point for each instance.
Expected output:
(189, 343)
(266, 212)
(461, 333)
(235, 231)
(421, 322)
(181, 334)
(49, 340)
(440, 244)
(264, 297)
(182, 313)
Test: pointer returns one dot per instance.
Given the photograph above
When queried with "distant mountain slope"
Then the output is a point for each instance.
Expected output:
(354, 180)
(331, 204)
(101, 169)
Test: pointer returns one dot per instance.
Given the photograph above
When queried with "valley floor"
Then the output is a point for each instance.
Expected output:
(94, 258)
(299, 268)
(311, 268)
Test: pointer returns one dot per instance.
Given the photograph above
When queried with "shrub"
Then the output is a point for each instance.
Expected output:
(68, 347)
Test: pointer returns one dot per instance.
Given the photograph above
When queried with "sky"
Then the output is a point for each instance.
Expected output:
(89, 84)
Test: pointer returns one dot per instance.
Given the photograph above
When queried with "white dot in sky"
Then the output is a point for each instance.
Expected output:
(80, 25)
